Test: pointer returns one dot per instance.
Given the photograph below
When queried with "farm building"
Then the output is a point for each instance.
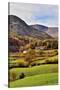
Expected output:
(41, 48)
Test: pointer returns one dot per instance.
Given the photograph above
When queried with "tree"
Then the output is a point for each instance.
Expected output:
(13, 76)
(39, 43)
(29, 56)
(22, 75)
(55, 44)
(28, 59)
(32, 45)
(44, 43)
(41, 52)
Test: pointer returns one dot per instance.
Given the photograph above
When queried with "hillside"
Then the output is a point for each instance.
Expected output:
(18, 26)
(40, 27)
(52, 31)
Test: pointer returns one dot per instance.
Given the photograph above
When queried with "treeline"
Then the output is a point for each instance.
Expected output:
(18, 43)
(49, 44)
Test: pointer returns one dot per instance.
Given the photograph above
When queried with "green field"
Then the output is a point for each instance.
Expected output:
(42, 69)
(37, 80)
(38, 75)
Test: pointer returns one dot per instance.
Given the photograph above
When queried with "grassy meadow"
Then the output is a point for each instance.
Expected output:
(37, 80)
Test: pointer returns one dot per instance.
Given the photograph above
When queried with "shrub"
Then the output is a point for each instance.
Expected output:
(47, 61)
(38, 64)
(21, 75)
(13, 76)
(41, 52)
(34, 64)
(52, 60)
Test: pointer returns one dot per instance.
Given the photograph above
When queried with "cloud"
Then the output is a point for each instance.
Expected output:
(36, 13)
(47, 15)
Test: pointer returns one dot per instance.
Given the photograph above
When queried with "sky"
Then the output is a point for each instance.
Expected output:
(42, 14)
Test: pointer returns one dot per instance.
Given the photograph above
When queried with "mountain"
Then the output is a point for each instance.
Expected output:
(52, 31)
(40, 27)
(18, 26)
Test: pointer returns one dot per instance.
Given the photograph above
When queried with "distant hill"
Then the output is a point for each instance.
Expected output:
(19, 26)
(40, 27)
(52, 31)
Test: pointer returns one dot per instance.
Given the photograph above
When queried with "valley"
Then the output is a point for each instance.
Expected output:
(33, 55)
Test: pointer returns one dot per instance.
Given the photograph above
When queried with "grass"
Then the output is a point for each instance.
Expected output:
(37, 80)
(42, 69)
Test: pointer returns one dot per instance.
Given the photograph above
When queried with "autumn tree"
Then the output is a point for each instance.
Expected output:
(13, 76)
(29, 56)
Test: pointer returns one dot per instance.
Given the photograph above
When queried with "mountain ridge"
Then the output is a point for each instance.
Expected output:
(15, 24)
(53, 31)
